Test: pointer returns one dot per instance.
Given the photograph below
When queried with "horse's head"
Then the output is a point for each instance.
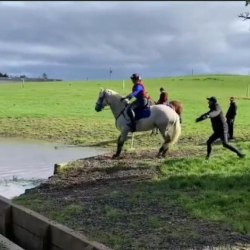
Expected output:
(101, 101)
(111, 98)
(106, 97)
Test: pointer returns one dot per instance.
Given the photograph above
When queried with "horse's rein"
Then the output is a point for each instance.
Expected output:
(121, 113)
(101, 101)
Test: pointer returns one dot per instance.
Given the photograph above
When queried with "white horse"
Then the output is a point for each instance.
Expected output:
(161, 116)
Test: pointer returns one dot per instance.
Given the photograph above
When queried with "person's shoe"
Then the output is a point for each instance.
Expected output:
(241, 155)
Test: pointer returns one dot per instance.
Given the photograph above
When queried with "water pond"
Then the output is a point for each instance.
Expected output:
(25, 164)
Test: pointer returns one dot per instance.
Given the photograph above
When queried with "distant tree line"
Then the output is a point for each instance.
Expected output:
(3, 75)
(44, 76)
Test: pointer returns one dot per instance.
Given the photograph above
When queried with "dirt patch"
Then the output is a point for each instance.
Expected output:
(119, 205)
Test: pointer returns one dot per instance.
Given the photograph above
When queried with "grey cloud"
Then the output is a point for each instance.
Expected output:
(76, 40)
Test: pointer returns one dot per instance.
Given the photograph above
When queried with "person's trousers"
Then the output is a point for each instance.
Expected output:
(230, 123)
(224, 139)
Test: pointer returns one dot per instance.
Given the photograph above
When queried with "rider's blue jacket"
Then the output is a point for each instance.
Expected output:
(138, 91)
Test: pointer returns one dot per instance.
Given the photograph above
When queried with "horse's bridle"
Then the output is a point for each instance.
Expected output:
(99, 104)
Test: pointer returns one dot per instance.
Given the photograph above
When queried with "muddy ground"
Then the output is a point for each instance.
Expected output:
(111, 193)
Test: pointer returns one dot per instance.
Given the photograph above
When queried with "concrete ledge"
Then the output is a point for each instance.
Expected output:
(33, 231)
(59, 166)
(6, 244)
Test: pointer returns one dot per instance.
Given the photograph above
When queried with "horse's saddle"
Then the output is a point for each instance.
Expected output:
(142, 113)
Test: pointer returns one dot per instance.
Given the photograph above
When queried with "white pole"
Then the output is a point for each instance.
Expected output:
(132, 141)
(123, 85)
(23, 83)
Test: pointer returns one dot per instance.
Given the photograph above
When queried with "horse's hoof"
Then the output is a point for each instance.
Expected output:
(115, 156)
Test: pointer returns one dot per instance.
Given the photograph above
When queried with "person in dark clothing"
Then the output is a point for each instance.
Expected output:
(230, 115)
(219, 126)
(163, 99)
(139, 92)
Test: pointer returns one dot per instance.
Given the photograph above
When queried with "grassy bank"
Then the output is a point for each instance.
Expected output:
(217, 191)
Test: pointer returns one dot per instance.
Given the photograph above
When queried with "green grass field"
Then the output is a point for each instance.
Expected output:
(218, 190)
(52, 105)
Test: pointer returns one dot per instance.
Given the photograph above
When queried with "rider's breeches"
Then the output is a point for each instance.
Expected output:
(137, 104)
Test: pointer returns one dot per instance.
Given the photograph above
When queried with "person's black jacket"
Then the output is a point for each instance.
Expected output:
(218, 120)
(231, 113)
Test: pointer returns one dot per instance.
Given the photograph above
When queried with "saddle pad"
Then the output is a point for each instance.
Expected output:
(144, 113)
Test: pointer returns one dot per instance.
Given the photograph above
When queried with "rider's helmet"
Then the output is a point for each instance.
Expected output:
(212, 99)
(135, 77)
(161, 89)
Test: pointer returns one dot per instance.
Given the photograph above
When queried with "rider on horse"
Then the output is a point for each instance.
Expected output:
(163, 99)
(139, 92)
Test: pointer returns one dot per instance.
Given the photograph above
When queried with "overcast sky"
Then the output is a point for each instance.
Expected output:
(80, 40)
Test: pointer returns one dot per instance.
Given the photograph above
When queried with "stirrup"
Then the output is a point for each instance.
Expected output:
(132, 128)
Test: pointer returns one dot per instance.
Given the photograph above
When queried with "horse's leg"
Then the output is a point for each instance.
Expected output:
(120, 142)
(154, 131)
(164, 147)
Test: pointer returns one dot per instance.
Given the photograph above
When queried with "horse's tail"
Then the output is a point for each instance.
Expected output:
(176, 131)
(181, 108)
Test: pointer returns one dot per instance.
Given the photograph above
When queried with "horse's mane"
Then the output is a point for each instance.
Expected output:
(110, 91)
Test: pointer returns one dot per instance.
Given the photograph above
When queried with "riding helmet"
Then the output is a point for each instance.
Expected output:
(212, 99)
(135, 77)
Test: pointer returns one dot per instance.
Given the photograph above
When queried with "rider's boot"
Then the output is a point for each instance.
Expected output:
(132, 127)
(132, 118)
